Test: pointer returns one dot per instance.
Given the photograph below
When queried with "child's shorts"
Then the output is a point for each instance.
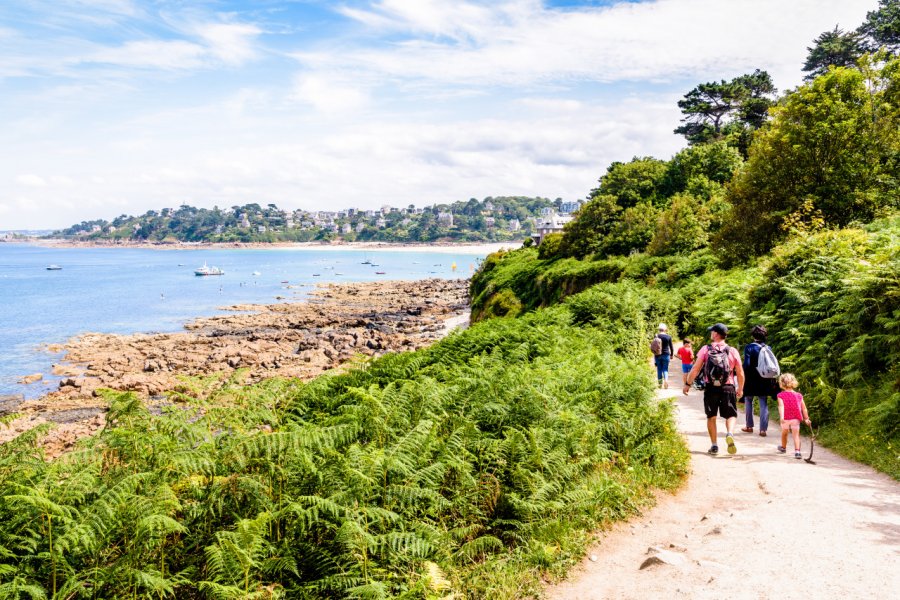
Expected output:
(790, 424)
(686, 368)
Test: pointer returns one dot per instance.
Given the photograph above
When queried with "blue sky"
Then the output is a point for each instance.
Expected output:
(120, 106)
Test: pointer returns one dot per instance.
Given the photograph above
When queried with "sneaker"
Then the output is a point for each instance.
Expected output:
(729, 439)
(713, 449)
(782, 449)
(797, 455)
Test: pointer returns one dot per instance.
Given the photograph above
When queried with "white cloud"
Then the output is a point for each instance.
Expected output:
(521, 43)
(328, 94)
(31, 180)
(150, 54)
(230, 43)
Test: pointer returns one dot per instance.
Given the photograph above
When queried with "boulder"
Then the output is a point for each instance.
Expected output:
(31, 378)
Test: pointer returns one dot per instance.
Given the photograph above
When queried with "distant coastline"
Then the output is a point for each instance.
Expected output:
(442, 247)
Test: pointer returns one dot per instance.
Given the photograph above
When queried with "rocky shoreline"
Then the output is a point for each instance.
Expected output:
(338, 323)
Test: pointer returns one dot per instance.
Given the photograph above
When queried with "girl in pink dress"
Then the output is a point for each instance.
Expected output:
(792, 410)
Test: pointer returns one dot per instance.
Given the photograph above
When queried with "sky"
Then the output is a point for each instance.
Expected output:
(111, 107)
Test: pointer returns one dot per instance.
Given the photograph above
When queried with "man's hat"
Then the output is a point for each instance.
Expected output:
(719, 328)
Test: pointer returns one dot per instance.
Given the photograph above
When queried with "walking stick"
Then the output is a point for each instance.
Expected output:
(812, 445)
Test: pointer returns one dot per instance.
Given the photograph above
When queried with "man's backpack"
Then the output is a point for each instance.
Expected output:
(767, 364)
(656, 346)
(717, 368)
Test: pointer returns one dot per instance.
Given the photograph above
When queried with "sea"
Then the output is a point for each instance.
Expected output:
(131, 290)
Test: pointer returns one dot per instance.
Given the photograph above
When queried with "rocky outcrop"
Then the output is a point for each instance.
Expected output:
(336, 324)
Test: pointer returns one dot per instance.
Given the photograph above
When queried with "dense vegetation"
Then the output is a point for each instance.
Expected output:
(498, 218)
(798, 231)
(476, 467)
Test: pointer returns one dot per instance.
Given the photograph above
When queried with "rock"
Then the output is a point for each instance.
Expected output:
(234, 361)
(714, 531)
(592, 558)
(31, 378)
(663, 557)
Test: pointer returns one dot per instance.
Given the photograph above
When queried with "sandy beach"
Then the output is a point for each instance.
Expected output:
(337, 324)
(442, 248)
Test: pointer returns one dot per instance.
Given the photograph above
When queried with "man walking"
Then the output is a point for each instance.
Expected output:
(721, 366)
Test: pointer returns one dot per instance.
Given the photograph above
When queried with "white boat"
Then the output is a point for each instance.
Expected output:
(54, 268)
(205, 270)
(256, 273)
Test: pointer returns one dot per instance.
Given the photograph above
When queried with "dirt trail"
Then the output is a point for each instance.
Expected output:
(756, 525)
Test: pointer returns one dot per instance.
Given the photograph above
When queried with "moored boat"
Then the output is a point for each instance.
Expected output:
(54, 268)
(205, 270)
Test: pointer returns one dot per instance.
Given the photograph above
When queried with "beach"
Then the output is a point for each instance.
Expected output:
(442, 248)
(336, 325)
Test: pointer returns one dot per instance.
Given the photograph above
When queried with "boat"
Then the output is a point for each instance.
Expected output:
(205, 270)
(316, 275)
(256, 273)
(54, 268)
(380, 273)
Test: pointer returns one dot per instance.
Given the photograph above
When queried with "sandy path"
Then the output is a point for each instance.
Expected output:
(756, 525)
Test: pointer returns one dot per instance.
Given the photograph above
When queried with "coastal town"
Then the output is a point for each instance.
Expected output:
(494, 219)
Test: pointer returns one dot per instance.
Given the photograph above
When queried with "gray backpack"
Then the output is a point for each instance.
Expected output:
(767, 365)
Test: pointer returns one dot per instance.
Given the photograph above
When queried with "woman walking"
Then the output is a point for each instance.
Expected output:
(756, 385)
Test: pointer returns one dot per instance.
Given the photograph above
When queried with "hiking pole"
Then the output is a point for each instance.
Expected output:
(812, 445)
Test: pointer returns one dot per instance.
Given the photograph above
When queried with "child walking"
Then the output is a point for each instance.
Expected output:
(686, 354)
(792, 410)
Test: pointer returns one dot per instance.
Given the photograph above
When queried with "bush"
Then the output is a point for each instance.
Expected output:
(473, 467)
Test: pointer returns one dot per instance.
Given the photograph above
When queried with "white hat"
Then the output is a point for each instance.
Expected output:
(662, 327)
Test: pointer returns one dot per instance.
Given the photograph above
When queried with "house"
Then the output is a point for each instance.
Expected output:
(347, 228)
(552, 223)
(489, 206)
(245, 222)
(514, 225)
(360, 227)
(490, 221)
(381, 223)
(570, 206)
(445, 219)
(261, 228)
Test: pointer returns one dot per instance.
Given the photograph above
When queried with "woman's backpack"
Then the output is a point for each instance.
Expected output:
(767, 365)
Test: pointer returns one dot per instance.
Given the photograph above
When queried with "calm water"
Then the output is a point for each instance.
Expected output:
(114, 290)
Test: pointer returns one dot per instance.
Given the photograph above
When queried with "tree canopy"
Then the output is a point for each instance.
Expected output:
(716, 110)
(835, 48)
(829, 155)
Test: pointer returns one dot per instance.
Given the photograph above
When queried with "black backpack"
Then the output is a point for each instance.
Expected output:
(717, 368)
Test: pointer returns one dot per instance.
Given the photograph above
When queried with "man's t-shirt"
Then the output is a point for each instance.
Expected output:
(734, 359)
(686, 355)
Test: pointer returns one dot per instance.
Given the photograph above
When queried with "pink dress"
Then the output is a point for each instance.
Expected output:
(793, 402)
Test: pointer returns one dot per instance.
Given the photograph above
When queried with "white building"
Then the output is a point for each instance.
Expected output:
(445, 219)
(570, 206)
(551, 224)
(490, 221)
(514, 225)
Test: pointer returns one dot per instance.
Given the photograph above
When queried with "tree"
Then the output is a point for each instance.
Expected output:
(585, 234)
(715, 110)
(717, 162)
(834, 48)
(640, 180)
(682, 227)
(882, 26)
(829, 154)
